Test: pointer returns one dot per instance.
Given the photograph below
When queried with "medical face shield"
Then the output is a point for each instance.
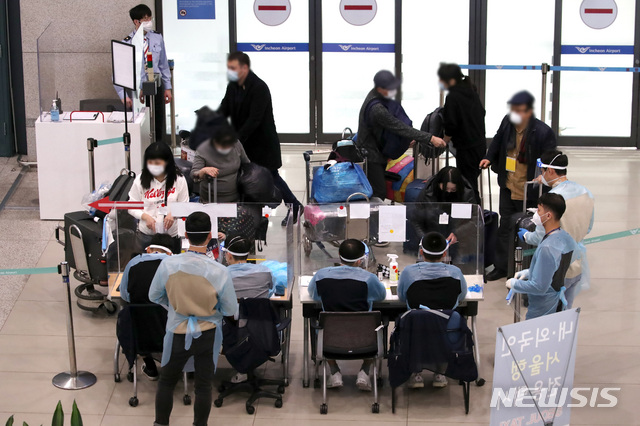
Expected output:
(229, 248)
(542, 167)
(433, 253)
(158, 247)
(364, 258)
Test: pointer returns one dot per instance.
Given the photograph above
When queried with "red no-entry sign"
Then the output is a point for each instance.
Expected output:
(598, 14)
(358, 12)
(272, 12)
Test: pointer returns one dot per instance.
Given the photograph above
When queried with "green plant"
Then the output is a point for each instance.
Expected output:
(58, 416)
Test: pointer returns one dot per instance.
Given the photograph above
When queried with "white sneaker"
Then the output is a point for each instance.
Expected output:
(239, 378)
(439, 381)
(416, 381)
(363, 382)
(335, 380)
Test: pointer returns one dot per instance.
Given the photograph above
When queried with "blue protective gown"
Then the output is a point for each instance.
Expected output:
(375, 289)
(247, 278)
(543, 299)
(201, 266)
(578, 222)
(430, 271)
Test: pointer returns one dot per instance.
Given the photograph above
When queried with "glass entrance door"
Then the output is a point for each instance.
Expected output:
(277, 32)
(601, 37)
(357, 40)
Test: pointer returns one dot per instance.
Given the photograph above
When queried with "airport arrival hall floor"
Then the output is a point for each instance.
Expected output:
(33, 341)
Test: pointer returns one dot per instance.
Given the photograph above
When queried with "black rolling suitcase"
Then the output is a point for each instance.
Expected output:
(411, 195)
(87, 228)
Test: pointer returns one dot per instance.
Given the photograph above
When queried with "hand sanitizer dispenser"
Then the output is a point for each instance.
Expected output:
(393, 268)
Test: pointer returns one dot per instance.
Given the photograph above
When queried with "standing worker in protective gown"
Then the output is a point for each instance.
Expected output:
(198, 292)
(543, 282)
(577, 219)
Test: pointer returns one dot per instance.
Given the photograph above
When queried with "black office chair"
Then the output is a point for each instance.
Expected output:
(338, 295)
(350, 336)
(443, 337)
(140, 330)
(255, 339)
(439, 293)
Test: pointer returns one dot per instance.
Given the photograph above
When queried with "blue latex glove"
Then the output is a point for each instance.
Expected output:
(521, 233)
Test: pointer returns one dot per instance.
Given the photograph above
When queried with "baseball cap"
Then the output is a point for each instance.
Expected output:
(386, 80)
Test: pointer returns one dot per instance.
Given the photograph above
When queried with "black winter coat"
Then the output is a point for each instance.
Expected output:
(539, 138)
(251, 112)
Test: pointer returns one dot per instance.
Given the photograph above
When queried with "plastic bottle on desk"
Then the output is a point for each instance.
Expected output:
(55, 113)
(393, 268)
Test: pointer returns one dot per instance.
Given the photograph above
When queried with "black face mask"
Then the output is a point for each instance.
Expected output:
(449, 197)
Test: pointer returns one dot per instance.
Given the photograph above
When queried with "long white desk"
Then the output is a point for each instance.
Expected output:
(391, 303)
(63, 165)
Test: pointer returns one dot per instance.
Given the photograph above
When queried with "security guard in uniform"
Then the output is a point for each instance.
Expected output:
(154, 43)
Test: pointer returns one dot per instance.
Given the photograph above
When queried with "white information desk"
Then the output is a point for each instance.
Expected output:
(63, 161)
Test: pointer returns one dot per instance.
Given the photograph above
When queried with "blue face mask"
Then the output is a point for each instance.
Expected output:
(232, 75)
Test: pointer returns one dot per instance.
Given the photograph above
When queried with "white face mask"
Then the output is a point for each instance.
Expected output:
(155, 169)
(515, 118)
(391, 94)
(441, 86)
(232, 75)
(546, 182)
(537, 220)
(224, 151)
(147, 26)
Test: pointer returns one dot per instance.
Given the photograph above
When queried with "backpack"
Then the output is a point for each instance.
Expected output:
(393, 145)
(254, 339)
(433, 124)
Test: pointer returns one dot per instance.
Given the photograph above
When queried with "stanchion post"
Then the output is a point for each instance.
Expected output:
(126, 139)
(72, 379)
(543, 97)
(172, 108)
(517, 297)
(91, 144)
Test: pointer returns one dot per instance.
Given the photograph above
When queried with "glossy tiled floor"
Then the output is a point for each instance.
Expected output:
(33, 343)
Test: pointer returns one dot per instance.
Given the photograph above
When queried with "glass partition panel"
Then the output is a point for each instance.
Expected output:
(325, 226)
(274, 243)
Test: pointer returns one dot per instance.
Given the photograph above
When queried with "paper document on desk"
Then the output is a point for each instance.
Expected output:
(118, 117)
(305, 280)
(392, 226)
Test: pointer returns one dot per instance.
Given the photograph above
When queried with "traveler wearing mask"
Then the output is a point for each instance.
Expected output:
(447, 186)
(197, 292)
(325, 287)
(463, 122)
(154, 43)
(519, 142)
(220, 158)
(374, 120)
(159, 184)
(433, 248)
(537, 281)
(577, 220)
(247, 103)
